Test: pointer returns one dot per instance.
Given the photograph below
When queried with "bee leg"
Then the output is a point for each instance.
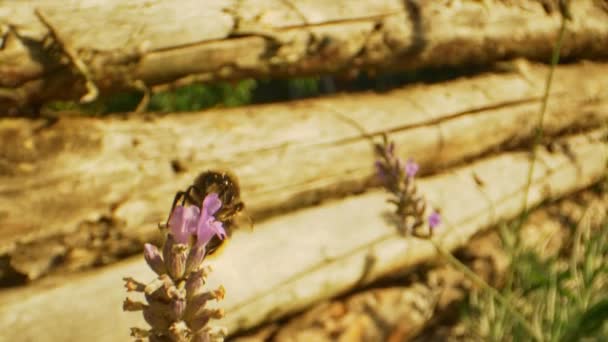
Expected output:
(183, 195)
(178, 195)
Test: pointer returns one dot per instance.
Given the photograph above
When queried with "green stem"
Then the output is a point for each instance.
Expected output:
(543, 109)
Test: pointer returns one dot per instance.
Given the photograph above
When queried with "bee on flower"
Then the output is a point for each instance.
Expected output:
(175, 300)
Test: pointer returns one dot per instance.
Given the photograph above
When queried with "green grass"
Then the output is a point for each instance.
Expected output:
(561, 297)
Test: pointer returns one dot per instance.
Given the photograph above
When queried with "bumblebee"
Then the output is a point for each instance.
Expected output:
(226, 186)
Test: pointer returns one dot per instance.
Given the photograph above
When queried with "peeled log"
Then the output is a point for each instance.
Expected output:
(50, 49)
(93, 189)
(337, 246)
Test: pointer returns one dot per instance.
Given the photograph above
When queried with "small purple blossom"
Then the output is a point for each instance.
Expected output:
(182, 223)
(411, 168)
(190, 220)
(434, 220)
(207, 225)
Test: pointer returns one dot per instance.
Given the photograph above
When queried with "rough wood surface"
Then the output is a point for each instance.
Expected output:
(71, 49)
(295, 260)
(85, 191)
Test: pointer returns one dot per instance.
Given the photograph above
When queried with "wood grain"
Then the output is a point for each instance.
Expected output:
(86, 191)
(132, 45)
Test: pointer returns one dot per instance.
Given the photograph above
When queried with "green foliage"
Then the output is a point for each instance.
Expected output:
(195, 97)
(305, 87)
(562, 297)
(589, 323)
(198, 96)
(188, 98)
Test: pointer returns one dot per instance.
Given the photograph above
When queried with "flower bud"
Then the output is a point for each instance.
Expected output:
(411, 168)
(175, 258)
(154, 260)
(178, 306)
(434, 220)
(194, 283)
(203, 318)
(196, 305)
(160, 289)
(156, 318)
(195, 258)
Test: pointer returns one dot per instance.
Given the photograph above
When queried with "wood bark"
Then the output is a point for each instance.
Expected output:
(300, 258)
(86, 191)
(77, 49)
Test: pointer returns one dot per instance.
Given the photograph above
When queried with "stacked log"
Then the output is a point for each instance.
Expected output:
(69, 50)
(340, 245)
(100, 186)
(79, 195)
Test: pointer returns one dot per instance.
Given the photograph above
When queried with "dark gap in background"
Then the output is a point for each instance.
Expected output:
(197, 97)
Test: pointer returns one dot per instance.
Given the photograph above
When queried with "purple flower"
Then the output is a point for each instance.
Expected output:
(190, 220)
(411, 168)
(182, 223)
(207, 225)
(434, 220)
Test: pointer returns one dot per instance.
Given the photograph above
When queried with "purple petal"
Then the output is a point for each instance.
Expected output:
(411, 168)
(177, 227)
(209, 228)
(182, 223)
(212, 203)
(218, 228)
(204, 234)
(177, 217)
(434, 220)
(191, 216)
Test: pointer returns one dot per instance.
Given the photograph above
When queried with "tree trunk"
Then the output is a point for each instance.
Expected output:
(79, 49)
(295, 260)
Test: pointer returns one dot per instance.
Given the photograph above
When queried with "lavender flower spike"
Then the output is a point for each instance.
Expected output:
(176, 299)
(411, 168)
